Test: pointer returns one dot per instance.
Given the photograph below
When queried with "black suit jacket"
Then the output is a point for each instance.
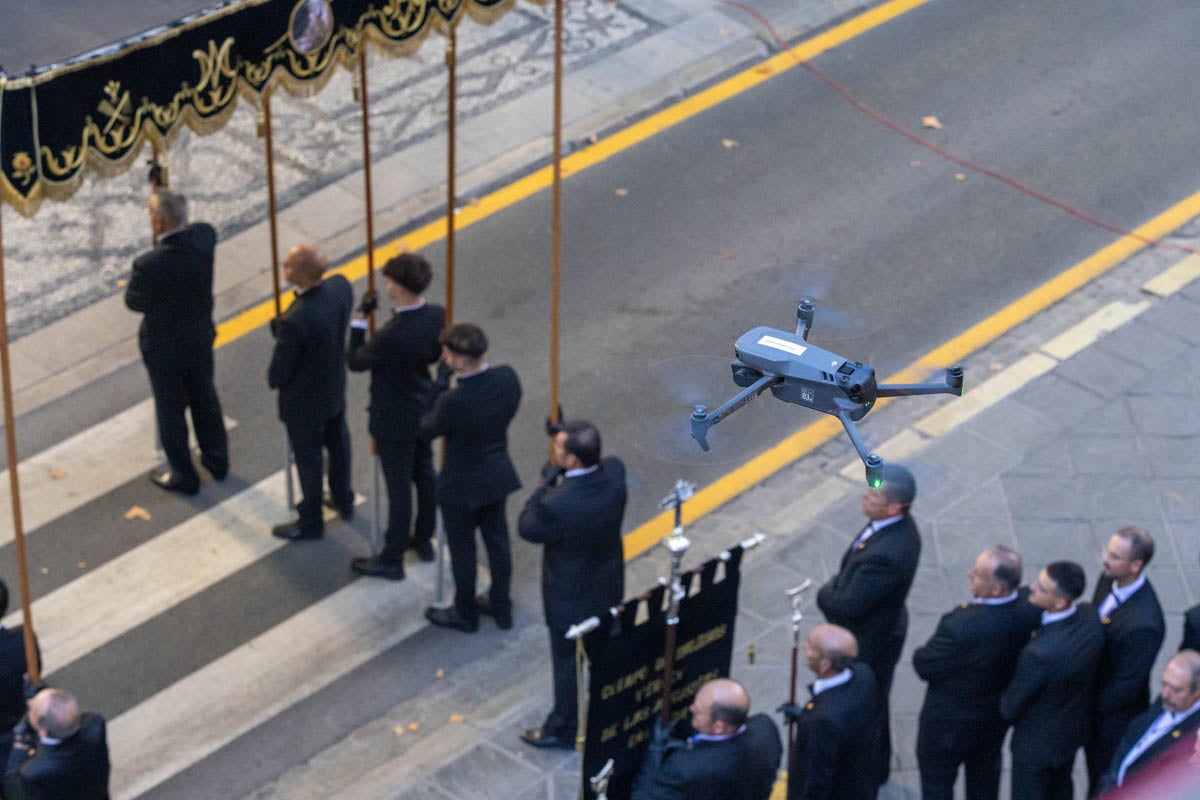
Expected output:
(583, 561)
(968, 663)
(829, 759)
(308, 365)
(1191, 629)
(1049, 700)
(741, 768)
(75, 769)
(868, 593)
(1133, 634)
(1174, 747)
(172, 287)
(474, 417)
(398, 356)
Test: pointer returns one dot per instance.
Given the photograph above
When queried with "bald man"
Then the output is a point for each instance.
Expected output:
(727, 756)
(61, 754)
(1158, 737)
(308, 368)
(828, 757)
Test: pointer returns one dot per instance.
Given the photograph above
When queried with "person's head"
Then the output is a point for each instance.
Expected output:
(54, 713)
(720, 707)
(1057, 586)
(1181, 681)
(829, 649)
(893, 496)
(577, 445)
(406, 277)
(997, 572)
(304, 265)
(463, 346)
(1127, 553)
(168, 211)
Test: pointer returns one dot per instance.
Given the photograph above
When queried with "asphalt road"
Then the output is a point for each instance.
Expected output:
(676, 246)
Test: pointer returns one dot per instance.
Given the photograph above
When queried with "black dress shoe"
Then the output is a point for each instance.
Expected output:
(450, 618)
(423, 549)
(294, 533)
(540, 738)
(218, 473)
(171, 482)
(345, 513)
(378, 568)
(504, 620)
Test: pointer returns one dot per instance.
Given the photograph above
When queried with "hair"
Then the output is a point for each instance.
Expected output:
(1190, 659)
(308, 261)
(839, 659)
(1069, 577)
(1141, 543)
(57, 714)
(171, 207)
(583, 442)
(411, 271)
(732, 715)
(1008, 566)
(465, 339)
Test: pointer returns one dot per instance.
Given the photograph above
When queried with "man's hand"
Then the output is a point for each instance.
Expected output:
(274, 325)
(554, 428)
(368, 304)
(791, 712)
(551, 472)
(444, 373)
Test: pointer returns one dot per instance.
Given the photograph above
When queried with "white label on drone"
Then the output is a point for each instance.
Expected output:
(783, 344)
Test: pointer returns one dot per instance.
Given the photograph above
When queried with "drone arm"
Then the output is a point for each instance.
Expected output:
(871, 461)
(953, 385)
(703, 420)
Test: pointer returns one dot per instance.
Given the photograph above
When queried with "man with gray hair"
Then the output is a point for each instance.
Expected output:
(172, 288)
(59, 754)
(868, 593)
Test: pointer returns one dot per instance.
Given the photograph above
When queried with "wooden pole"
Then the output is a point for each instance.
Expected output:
(14, 484)
(451, 132)
(556, 210)
(365, 103)
(272, 210)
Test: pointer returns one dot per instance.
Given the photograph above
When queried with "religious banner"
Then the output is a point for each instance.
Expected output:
(626, 673)
(97, 111)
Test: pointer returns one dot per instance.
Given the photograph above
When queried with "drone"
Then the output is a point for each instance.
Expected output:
(801, 373)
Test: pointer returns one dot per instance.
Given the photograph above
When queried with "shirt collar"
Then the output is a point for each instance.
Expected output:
(713, 737)
(1180, 716)
(575, 473)
(482, 368)
(879, 524)
(821, 684)
(1049, 617)
(49, 740)
(994, 601)
(1123, 593)
(419, 304)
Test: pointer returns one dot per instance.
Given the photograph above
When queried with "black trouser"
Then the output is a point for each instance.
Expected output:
(1042, 782)
(181, 377)
(405, 464)
(460, 523)
(308, 439)
(881, 657)
(564, 717)
(939, 768)
(1107, 732)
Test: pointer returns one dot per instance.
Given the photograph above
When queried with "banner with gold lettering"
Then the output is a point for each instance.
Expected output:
(97, 111)
(625, 684)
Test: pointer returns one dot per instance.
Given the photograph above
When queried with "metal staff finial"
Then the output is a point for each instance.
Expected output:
(682, 491)
(796, 595)
(600, 780)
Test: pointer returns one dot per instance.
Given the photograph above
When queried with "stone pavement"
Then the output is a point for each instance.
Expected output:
(1075, 423)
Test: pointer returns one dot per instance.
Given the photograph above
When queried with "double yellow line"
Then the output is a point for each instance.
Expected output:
(804, 441)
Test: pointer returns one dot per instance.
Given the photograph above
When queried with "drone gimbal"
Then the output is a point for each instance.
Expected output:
(801, 373)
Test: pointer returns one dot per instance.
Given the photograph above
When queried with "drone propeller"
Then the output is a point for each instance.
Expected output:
(815, 284)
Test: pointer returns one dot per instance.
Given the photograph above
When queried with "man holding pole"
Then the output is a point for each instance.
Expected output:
(576, 514)
(398, 357)
(477, 476)
(308, 368)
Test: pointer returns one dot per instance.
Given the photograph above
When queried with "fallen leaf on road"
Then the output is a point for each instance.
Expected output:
(414, 726)
(398, 730)
(57, 474)
(441, 673)
(729, 143)
(931, 122)
(457, 718)
(958, 176)
(137, 512)
(914, 163)
(728, 255)
(621, 192)
(122, 282)
(82, 565)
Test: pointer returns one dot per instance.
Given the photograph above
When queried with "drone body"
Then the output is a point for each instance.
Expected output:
(810, 376)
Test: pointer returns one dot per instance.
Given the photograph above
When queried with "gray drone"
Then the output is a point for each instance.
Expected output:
(800, 373)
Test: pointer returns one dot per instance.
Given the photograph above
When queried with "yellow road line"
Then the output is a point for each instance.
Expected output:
(790, 449)
(253, 318)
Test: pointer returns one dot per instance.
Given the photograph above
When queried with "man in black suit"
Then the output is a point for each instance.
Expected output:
(576, 515)
(477, 474)
(398, 357)
(726, 756)
(309, 370)
(1191, 629)
(867, 594)
(1049, 700)
(1133, 633)
(60, 754)
(1157, 738)
(968, 662)
(828, 760)
(13, 668)
(172, 287)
